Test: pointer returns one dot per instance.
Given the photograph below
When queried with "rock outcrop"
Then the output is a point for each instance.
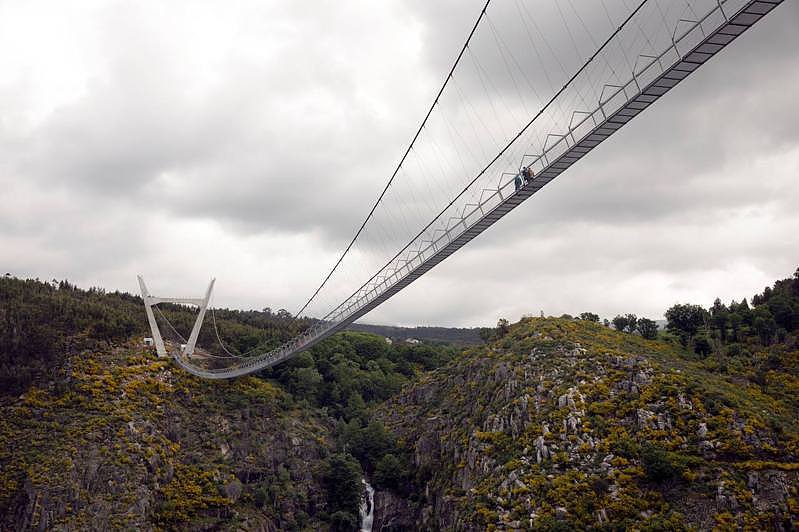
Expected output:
(134, 444)
(565, 421)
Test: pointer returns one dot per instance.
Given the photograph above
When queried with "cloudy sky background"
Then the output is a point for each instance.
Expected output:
(247, 140)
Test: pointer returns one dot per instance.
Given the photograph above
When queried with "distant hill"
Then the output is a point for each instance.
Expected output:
(447, 335)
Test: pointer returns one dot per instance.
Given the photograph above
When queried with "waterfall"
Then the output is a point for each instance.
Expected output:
(367, 507)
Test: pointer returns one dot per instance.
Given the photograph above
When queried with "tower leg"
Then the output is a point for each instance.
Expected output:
(195, 332)
(148, 308)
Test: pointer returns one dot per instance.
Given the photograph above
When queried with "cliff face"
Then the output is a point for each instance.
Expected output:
(121, 440)
(564, 424)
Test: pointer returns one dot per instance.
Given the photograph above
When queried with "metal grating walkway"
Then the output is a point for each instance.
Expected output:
(690, 49)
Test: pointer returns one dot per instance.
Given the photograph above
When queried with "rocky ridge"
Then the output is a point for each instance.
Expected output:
(568, 423)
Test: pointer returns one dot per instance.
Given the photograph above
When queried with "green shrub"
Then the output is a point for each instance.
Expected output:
(341, 477)
(344, 521)
(702, 346)
(657, 465)
(390, 472)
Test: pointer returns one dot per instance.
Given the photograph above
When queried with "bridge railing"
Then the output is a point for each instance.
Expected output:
(461, 221)
(687, 34)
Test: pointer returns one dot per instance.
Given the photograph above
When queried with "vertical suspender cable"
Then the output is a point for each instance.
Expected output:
(513, 140)
(402, 160)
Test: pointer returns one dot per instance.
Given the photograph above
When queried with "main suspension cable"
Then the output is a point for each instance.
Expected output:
(402, 160)
(507, 146)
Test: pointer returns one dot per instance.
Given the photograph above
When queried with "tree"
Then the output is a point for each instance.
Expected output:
(344, 521)
(284, 314)
(341, 477)
(305, 382)
(719, 316)
(702, 345)
(503, 327)
(632, 319)
(764, 324)
(745, 312)
(735, 324)
(367, 346)
(620, 322)
(486, 334)
(648, 328)
(390, 472)
(355, 408)
(589, 316)
(685, 321)
(785, 312)
(767, 292)
(371, 443)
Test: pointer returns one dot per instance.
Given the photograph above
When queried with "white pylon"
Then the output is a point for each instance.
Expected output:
(150, 301)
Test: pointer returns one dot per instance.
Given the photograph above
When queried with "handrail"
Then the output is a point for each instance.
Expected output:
(492, 207)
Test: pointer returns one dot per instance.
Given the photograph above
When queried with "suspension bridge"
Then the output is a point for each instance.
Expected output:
(474, 159)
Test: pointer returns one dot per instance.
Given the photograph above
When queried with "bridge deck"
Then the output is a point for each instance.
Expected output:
(708, 36)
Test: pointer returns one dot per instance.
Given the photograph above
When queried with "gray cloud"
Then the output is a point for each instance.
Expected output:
(250, 144)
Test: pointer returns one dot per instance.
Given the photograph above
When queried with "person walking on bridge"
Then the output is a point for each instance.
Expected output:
(527, 173)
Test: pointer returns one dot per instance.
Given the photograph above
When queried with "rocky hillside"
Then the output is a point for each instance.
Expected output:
(97, 433)
(127, 441)
(565, 424)
(554, 424)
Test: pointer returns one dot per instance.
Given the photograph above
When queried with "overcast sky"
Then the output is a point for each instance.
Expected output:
(246, 140)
